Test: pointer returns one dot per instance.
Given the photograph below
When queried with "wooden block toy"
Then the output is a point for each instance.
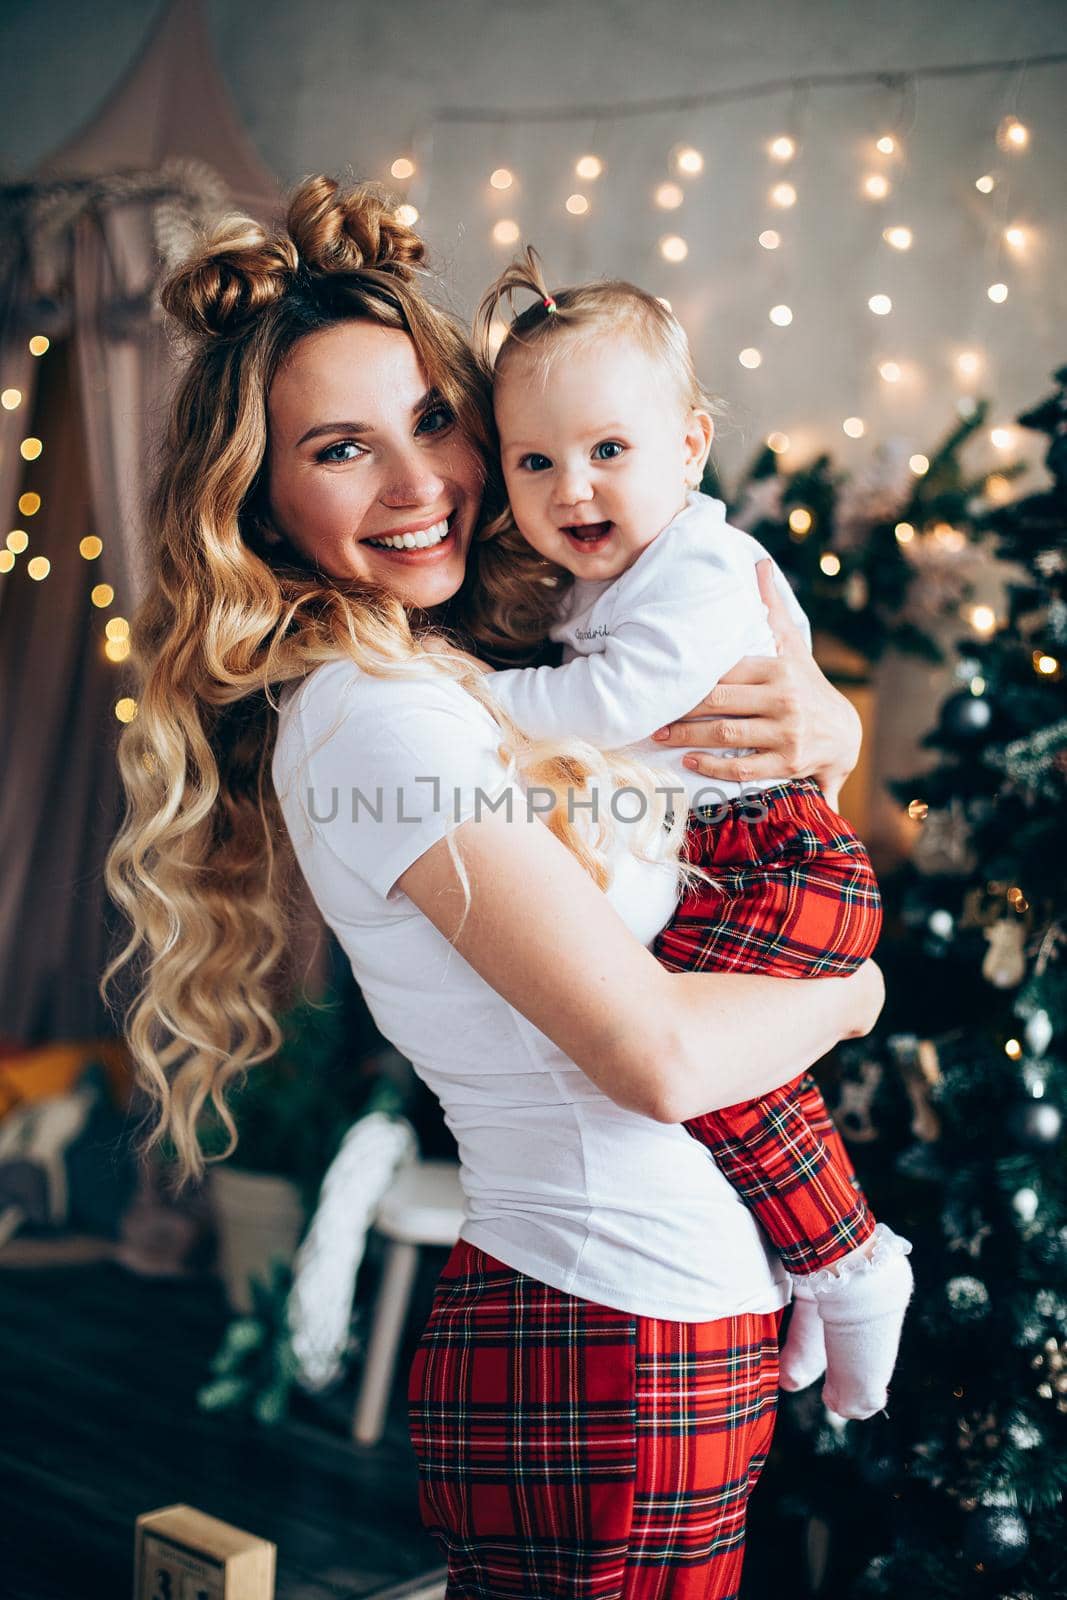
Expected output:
(183, 1554)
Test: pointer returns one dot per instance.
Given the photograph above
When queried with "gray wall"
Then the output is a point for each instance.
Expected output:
(328, 85)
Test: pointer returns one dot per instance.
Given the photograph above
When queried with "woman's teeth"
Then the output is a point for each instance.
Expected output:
(414, 541)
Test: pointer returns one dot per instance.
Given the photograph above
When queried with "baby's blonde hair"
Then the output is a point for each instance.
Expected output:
(559, 316)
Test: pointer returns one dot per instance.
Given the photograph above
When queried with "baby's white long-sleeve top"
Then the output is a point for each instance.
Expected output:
(642, 649)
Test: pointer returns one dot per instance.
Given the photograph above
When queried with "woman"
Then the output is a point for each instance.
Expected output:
(595, 1390)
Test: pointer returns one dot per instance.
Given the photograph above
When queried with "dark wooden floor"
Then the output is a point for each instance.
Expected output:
(98, 1422)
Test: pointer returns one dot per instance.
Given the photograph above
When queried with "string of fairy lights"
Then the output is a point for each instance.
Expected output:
(685, 163)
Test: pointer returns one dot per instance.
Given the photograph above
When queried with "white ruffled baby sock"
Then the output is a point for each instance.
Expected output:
(803, 1355)
(861, 1300)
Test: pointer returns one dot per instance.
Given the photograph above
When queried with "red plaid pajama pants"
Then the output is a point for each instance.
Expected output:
(566, 1449)
(797, 897)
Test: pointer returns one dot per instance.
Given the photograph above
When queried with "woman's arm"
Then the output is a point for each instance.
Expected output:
(795, 717)
(667, 1045)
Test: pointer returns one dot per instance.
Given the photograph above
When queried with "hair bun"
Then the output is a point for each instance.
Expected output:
(352, 229)
(236, 271)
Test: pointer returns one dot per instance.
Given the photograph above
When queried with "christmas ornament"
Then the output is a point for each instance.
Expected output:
(1038, 1032)
(995, 1537)
(1004, 964)
(965, 716)
(968, 1299)
(944, 845)
(917, 1062)
(853, 1110)
(1051, 1366)
(1036, 1125)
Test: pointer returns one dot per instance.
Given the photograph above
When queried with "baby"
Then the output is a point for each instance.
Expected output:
(604, 431)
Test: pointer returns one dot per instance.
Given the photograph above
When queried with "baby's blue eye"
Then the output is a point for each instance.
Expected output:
(534, 462)
(607, 450)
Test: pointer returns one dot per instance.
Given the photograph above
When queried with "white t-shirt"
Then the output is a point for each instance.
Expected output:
(560, 1182)
(642, 649)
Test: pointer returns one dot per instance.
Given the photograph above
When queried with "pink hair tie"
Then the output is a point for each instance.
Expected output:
(549, 304)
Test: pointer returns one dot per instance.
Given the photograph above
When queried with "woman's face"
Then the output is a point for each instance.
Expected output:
(369, 473)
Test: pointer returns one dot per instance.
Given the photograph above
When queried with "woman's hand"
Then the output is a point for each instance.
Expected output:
(793, 716)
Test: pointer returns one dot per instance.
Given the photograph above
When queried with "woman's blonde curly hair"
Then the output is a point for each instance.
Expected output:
(202, 865)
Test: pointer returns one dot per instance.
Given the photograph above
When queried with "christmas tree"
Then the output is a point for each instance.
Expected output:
(954, 1110)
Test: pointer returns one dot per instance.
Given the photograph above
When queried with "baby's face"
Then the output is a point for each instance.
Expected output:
(596, 448)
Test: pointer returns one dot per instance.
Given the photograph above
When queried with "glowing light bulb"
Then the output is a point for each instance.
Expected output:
(781, 316)
(588, 167)
(1044, 664)
(876, 186)
(117, 628)
(968, 363)
(1015, 236)
(986, 183)
(778, 442)
(406, 215)
(904, 533)
(126, 709)
(880, 304)
(501, 178)
(117, 649)
(689, 161)
(800, 520)
(983, 619)
(997, 489)
(90, 547)
(919, 464)
(890, 372)
(830, 564)
(918, 810)
(403, 168)
(39, 567)
(102, 595)
(900, 238)
(783, 195)
(1012, 134)
(10, 399)
(783, 148)
(854, 427)
(998, 293)
(1013, 1048)
(38, 344)
(30, 449)
(672, 247)
(29, 504)
(886, 144)
(505, 231)
(577, 205)
(770, 239)
(669, 196)
(17, 540)
(750, 357)
(7, 561)
(1001, 438)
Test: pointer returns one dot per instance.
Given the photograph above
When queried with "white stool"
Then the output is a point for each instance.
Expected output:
(423, 1206)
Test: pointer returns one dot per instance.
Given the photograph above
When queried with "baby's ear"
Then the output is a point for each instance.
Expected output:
(698, 436)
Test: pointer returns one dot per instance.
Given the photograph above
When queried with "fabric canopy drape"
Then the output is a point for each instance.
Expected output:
(82, 247)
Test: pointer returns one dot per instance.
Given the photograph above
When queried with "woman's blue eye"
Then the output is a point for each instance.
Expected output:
(342, 444)
(607, 450)
(435, 419)
(534, 462)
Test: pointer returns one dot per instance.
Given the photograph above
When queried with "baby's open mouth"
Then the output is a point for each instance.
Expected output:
(589, 534)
